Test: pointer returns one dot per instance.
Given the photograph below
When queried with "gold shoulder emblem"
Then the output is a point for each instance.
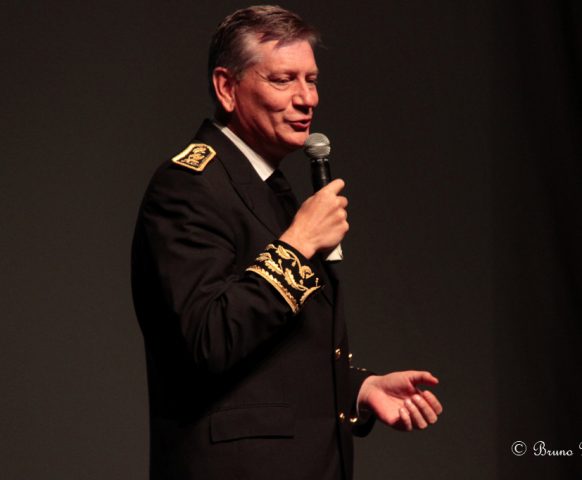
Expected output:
(196, 156)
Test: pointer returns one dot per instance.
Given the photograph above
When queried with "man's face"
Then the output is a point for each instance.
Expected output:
(275, 97)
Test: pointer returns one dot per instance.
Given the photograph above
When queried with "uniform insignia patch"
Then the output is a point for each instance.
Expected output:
(196, 156)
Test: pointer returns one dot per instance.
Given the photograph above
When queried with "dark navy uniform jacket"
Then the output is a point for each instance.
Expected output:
(248, 363)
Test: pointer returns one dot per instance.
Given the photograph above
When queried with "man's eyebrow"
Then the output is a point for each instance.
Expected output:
(291, 71)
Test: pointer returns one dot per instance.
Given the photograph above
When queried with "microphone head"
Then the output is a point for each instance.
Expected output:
(317, 146)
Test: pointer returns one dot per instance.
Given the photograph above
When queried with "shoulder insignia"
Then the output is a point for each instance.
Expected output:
(196, 156)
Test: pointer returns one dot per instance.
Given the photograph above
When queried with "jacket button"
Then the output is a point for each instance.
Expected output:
(353, 420)
(342, 417)
(337, 353)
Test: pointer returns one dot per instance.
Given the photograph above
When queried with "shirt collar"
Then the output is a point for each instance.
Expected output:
(263, 169)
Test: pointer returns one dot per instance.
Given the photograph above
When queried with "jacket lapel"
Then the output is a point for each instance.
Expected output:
(253, 191)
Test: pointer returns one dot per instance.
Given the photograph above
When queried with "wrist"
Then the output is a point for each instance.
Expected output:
(299, 244)
(362, 400)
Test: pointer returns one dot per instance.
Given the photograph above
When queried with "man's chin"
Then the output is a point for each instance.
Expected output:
(296, 140)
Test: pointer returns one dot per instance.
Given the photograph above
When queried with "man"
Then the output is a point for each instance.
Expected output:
(249, 370)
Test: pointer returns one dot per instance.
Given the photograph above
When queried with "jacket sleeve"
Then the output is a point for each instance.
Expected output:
(224, 315)
(362, 422)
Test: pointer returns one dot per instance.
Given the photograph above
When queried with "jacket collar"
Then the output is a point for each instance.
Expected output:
(254, 192)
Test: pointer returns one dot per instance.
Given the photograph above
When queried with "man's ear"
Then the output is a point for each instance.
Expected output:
(224, 87)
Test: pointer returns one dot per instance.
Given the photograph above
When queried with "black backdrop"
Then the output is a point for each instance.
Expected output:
(458, 128)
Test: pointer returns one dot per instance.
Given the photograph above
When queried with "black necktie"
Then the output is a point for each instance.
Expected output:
(282, 189)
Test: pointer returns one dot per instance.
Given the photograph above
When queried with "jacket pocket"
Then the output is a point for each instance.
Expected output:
(248, 421)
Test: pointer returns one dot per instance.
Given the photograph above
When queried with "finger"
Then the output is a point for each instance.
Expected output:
(342, 202)
(425, 378)
(335, 186)
(433, 401)
(425, 408)
(405, 419)
(418, 420)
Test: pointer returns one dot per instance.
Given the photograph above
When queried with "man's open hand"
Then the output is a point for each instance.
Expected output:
(397, 401)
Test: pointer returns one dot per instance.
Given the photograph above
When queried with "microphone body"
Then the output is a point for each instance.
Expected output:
(317, 148)
(320, 173)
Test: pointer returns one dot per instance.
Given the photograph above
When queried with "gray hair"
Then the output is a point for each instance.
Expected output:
(231, 45)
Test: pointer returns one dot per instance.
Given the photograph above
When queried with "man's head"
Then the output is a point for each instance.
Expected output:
(263, 77)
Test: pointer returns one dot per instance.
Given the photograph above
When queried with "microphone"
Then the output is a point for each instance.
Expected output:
(317, 148)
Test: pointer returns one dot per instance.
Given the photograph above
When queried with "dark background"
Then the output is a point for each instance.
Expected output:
(458, 127)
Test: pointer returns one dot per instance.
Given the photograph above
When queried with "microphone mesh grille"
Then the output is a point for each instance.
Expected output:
(317, 146)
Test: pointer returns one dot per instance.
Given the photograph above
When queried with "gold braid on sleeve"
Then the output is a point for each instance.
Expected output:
(283, 269)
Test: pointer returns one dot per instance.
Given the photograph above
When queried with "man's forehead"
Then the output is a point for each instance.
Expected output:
(294, 55)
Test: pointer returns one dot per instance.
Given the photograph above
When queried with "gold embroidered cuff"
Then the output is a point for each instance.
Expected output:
(285, 270)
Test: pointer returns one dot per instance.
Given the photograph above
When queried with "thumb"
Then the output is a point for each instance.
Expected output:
(422, 377)
(335, 186)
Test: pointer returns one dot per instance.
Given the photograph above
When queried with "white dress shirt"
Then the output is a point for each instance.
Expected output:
(259, 163)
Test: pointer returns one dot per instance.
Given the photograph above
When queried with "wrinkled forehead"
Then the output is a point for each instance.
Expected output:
(284, 54)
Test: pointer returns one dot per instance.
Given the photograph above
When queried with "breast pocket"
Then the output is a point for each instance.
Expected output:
(253, 421)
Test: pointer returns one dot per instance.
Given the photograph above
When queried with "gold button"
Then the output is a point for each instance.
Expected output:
(353, 419)
(338, 353)
(350, 355)
(342, 417)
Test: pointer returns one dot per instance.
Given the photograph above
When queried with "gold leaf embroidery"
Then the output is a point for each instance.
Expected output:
(289, 274)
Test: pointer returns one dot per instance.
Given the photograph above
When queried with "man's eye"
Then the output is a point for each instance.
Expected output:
(313, 81)
(281, 81)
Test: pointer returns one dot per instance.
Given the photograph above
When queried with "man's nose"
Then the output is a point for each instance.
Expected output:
(305, 95)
